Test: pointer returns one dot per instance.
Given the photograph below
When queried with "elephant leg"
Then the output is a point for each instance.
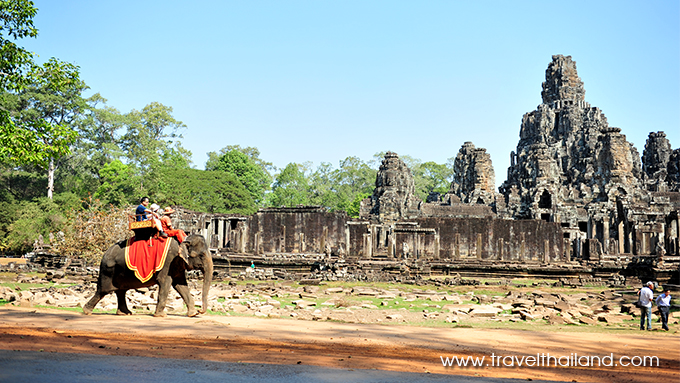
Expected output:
(89, 306)
(164, 284)
(122, 303)
(180, 284)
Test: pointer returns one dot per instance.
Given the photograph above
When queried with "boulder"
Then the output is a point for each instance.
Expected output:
(485, 311)
(300, 304)
(586, 320)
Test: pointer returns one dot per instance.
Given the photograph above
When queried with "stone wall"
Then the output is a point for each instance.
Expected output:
(310, 230)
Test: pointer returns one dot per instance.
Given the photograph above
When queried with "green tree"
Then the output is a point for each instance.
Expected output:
(253, 176)
(207, 191)
(291, 187)
(47, 107)
(117, 186)
(16, 22)
(97, 145)
(354, 177)
(434, 178)
(253, 153)
(43, 138)
(33, 219)
(336, 189)
(152, 136)
(355, 207)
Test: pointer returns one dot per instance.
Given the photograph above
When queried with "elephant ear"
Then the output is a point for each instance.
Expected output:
(184, 252)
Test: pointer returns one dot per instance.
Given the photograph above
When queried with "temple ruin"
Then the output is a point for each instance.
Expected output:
(578, 200)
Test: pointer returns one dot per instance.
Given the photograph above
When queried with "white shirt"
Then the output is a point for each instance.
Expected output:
(663, 300)
(646, 295)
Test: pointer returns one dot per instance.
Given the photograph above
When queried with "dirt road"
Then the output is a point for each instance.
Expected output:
(346, 345)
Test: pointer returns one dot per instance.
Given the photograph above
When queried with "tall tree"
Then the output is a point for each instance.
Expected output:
(336, 189)
(208, 191)
(117, 184)
(252, 175)
(43, 137)
(291, 187)
(434, 177)
(47, 108)
(98, 144)
(253, 153)
(152, 136)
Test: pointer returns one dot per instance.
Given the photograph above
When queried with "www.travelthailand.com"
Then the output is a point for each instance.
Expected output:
(547, 360)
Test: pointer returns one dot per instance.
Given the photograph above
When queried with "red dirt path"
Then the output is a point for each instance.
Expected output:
(338, 345)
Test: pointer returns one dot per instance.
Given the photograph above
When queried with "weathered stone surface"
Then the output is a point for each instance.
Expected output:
(394, 194)
(655, 160)
(485, 311)
(571, 167)
(474, 180)
(301, 304)
(674, 171)
(562, 81)
(587, 320)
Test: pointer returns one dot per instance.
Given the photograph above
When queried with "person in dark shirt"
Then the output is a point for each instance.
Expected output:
(143, 213)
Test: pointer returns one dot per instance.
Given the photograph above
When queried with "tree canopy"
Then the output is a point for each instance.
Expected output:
(247, 168)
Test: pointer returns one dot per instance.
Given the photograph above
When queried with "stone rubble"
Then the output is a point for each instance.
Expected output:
(357, 304)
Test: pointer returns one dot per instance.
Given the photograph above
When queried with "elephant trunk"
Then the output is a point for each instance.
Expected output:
(207, 280)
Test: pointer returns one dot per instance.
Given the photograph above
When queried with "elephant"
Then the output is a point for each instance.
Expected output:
(115, 276)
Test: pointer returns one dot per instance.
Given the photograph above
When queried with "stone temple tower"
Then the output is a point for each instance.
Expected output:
(473, 176)
(394, 194)
(567, 153)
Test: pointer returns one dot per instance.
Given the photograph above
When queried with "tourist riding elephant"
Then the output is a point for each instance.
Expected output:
(115, 276)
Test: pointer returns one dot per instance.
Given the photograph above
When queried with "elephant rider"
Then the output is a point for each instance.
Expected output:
(142, 213)
(167, 225)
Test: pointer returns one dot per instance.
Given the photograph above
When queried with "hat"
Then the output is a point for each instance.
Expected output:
(154, 207)
(650, 283)
(168, 210)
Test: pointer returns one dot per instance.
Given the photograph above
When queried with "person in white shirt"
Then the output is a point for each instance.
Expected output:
(645, 298)
(663, 303)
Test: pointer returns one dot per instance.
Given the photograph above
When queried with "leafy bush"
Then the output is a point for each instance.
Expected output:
(33, 219)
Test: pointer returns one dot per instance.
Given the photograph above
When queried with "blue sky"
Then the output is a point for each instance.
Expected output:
(320, 81)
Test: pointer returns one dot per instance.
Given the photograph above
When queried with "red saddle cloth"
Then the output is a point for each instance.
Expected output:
(144, 259)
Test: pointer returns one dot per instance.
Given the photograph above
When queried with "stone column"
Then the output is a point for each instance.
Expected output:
(621, 234)
(479, 246)
(302, 248)
(605, 236)
(392, 251)
(256, 242)
(675, 224)
(220, 233)
(282, 243)
(456, 244)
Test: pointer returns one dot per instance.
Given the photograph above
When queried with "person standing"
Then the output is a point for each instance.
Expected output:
(645, 298)
(663, 303)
